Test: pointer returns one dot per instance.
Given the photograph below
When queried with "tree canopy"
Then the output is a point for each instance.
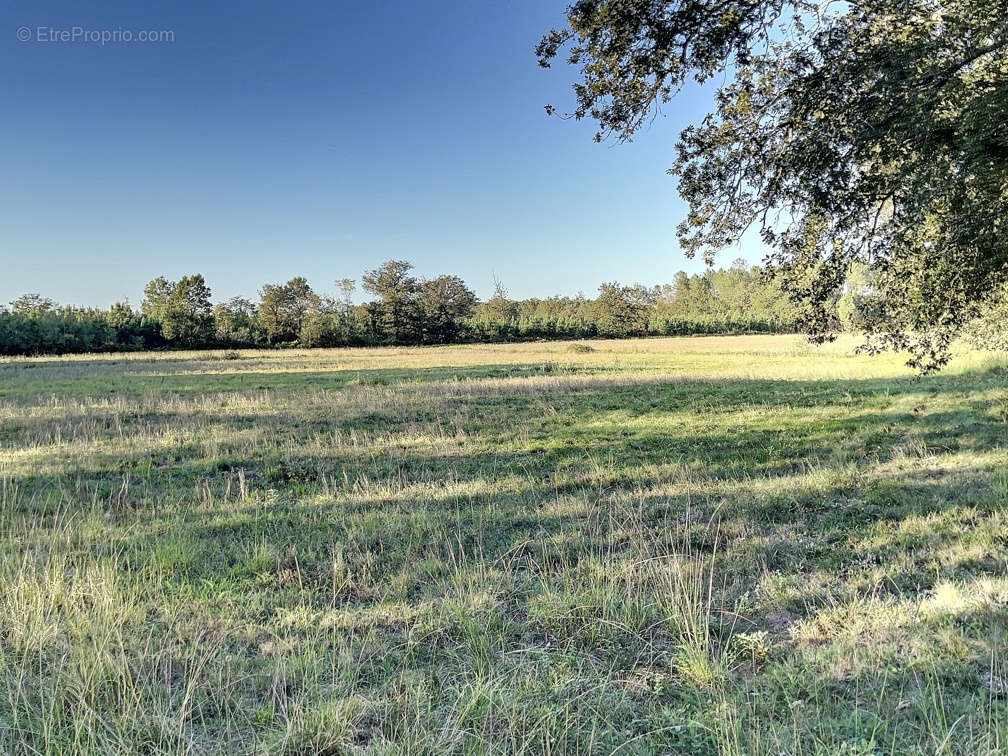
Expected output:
(867, 131)
(396, 311)
(182, 308)
(284, 309)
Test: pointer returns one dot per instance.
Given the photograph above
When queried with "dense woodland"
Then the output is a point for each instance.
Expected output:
(402, 309)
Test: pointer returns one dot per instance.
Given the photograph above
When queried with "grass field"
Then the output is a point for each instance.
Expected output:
(712, 545)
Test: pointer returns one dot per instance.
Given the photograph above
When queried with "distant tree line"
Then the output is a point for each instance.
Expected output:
(405, 309)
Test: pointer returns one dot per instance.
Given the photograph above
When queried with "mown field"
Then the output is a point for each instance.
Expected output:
(700, 546)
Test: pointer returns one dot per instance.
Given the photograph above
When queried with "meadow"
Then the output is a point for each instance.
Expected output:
(718, 545)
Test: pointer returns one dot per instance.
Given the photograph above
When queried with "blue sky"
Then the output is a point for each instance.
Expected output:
(269, 140)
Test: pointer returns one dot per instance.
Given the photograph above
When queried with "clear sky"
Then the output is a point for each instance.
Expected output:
(316, 138)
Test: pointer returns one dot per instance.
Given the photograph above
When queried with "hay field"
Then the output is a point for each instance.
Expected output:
(701, 546)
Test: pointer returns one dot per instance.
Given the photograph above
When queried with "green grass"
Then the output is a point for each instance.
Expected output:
(737, 545)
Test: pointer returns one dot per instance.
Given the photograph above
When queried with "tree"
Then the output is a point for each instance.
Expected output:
(283, 309)
(445, 303)
(397, 310)
(346, 315)
(235, 322)
(126, 325)
(623, 311)
(498, 316)
(32, 304)
(155, 300)
(870, 131)
(182, 308)
(188, 317)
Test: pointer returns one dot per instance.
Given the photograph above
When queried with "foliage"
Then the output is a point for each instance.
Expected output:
(497, 318)
(187, 319)
(155, 300)
(865, 132)
(284, 309)
(32, 304)
(445, 303)
(182, 309)
(396, 312)
(623, 311)
(40, 326)
(990, 328)
(236, 322)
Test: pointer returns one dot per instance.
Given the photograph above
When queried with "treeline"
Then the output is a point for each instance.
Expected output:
(402, 309)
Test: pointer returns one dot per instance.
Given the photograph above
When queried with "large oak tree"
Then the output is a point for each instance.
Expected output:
(847, 132)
